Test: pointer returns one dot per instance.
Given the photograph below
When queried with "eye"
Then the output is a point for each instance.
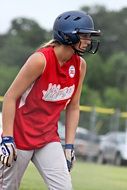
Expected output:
(85, 35)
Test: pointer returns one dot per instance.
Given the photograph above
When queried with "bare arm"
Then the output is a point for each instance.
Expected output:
(31, 70)
(72, 110)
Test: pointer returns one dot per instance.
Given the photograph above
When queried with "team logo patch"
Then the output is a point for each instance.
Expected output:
(72, 71)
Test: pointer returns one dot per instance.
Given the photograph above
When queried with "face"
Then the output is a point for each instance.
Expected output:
(85, 40)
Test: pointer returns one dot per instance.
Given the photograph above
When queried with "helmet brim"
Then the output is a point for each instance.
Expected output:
(92, 32)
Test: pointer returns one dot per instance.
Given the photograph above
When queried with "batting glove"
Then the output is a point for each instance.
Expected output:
(8, 151)
(70, 155)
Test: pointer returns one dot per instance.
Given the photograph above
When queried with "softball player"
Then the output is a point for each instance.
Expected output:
(49, 82)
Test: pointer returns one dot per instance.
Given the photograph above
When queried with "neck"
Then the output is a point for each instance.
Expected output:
(63, 53)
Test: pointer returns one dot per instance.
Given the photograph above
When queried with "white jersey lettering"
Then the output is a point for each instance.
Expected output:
(55, 93)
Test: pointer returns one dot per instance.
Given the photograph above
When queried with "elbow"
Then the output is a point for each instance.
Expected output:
(9, 97)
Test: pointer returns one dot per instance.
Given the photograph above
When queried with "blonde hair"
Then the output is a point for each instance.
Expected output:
(51, 43)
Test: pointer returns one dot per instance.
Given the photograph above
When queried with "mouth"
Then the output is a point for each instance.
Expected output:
(84, 47)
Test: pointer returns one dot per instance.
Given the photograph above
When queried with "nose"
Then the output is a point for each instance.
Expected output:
(88, 41)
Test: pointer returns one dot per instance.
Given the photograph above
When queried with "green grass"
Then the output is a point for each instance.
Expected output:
(85, 176)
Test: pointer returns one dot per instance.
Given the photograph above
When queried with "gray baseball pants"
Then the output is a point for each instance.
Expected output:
(50, 162)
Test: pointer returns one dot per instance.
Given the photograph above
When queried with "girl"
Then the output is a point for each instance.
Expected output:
(50, 81)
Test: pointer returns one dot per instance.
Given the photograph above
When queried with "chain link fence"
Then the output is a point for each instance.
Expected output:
(102, 120)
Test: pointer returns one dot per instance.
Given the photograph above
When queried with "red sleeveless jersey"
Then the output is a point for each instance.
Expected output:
(39, 108)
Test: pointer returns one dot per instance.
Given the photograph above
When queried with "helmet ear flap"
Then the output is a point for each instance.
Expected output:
(74, 38)
(69, 38)
(65, 38)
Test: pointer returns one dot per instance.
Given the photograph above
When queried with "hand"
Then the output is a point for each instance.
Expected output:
(8, 151)
(70, 155)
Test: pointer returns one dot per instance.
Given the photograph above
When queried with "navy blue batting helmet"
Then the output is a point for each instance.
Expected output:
(69, 24)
